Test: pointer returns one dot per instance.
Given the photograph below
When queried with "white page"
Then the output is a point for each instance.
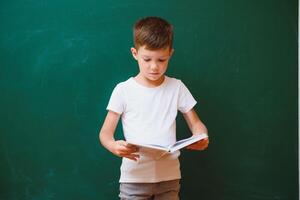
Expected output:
(185, 142)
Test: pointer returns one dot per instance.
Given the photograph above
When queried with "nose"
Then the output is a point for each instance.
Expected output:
(154, 66)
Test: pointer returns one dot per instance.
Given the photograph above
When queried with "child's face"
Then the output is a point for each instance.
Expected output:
(152, 63)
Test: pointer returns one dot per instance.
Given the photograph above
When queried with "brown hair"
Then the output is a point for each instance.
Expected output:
(154, 32)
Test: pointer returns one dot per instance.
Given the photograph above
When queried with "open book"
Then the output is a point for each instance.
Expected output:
(174, 147)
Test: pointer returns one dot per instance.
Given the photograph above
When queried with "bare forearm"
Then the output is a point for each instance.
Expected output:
(106, 136)
(198, 127)
(106, 139)
(119, 148)
(107, 131)
(195, 124)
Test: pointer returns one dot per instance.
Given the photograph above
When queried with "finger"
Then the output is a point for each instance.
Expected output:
(131, 158)
(133, 148)
(201, 143)
(194, 148)
(126, 147)
(206, 140)
(134, 157)
(129, 154)
(124, 151)
(122, 142)
(130, 147)
(197, 146)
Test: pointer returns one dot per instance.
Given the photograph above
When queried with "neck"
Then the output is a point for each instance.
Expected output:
(149, 83)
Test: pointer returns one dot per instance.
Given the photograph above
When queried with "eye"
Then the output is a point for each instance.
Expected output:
(146, 60)
(161, 60)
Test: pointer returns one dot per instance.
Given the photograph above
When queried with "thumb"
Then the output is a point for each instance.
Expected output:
(124, 143)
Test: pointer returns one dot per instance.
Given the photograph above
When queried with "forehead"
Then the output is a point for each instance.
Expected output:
(154, 53)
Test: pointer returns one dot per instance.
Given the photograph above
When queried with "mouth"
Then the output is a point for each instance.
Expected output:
(154, 74)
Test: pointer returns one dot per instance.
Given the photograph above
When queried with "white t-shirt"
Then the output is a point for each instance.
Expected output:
(148, 116)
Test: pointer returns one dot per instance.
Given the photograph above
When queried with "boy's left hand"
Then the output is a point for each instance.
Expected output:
(200, 145)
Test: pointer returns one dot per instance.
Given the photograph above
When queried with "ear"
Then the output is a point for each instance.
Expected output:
(171, 52)
(134, 52)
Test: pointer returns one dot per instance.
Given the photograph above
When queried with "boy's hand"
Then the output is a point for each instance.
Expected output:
(200, 145)
(122, 149)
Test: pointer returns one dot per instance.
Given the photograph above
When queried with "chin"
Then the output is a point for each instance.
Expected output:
(154, 78)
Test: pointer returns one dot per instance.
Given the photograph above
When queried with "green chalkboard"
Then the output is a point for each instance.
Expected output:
(60, 60)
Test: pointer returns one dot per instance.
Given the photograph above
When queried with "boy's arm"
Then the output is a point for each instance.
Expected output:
(196, 126)
(120, 147)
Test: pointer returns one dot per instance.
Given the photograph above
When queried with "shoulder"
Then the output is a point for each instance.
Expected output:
(124, 84)
(174, 81)
(178, 85)
(121, 88)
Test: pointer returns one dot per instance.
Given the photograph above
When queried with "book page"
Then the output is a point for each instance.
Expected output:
(149, 146)
(151, 150)
(185, 142)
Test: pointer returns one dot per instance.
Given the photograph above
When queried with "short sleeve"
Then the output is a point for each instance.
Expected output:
(186, 101)
(116, 102)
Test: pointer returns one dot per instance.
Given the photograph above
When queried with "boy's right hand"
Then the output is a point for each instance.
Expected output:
(123, 149)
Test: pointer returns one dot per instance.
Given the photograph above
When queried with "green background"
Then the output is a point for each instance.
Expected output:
(60, 60)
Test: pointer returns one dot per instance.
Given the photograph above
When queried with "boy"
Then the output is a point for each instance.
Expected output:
(148, 104)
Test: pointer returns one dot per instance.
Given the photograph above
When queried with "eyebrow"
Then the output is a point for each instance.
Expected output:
(149, 57)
